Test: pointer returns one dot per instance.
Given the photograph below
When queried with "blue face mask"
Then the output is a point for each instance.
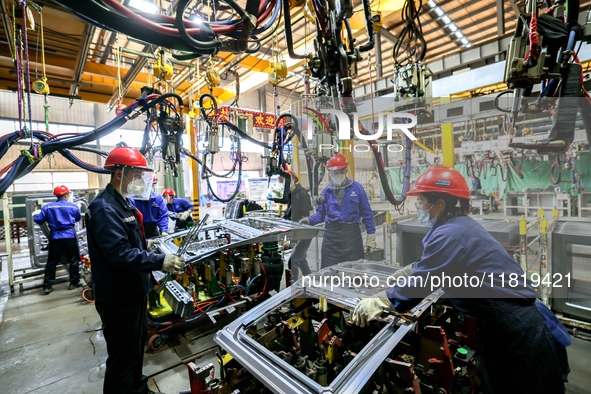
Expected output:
(423, 217)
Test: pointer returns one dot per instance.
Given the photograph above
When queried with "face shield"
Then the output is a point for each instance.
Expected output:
(139, 185)
(338, 177)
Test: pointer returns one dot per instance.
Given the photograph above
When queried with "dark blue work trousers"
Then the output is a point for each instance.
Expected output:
(125, 328)
(57, 249)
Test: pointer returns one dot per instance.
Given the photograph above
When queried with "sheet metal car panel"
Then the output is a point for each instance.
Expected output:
(280, 376)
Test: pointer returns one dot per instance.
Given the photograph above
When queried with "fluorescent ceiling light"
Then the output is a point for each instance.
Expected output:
(468, 45)
(446, 19)
(459, 34)
(144, 5)
(465, 41)
(438, 11)
(197, 19)
(452, 27)
(431, 4)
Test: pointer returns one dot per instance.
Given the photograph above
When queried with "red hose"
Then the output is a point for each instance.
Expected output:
(174, 32)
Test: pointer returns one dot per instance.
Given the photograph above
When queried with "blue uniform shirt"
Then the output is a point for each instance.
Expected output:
(179, 205)
(61, 216)
(154, 211)
(353, 209)
(461, 247)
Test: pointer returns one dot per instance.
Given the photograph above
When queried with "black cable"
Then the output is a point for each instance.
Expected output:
(410, 46)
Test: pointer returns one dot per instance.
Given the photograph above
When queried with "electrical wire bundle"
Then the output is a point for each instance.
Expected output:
(392, 199)
(410, 47)
(191, 38)
(48, 144)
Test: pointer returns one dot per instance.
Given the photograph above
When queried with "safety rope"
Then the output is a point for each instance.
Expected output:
(27, 73)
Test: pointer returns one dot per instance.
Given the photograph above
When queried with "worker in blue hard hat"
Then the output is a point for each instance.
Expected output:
(61, 217)
(343, 205)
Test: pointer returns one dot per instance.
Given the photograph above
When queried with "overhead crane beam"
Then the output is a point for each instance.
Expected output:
(82, 57)
(7, 24)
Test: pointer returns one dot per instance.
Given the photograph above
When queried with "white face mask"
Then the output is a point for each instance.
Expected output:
(338, 179)
(136, 187)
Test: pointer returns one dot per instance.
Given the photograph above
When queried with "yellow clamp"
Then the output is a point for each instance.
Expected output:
(212, 77)
(163, 68)
(40, 86)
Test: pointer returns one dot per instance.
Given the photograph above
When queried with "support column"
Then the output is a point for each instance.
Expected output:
(190, 129)
(447, 144)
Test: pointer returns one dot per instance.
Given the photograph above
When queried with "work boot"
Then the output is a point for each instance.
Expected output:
(74, 285)
(47, 291)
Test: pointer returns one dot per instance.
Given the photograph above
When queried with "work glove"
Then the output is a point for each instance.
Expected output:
(370, 243)
(370, 309)
(403, 272)
(304, 221)
(164, 233)
(173, 264)
(36, 212)
(185, 215)
(152, 245)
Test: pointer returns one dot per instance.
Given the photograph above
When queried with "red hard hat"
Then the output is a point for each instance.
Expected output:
(441, 179)
(168, 192)
(60, 191)
(337, 162)
(126, 156)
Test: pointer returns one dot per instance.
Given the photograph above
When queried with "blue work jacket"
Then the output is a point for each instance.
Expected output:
(121, 265)
(353, 209)
(154, 211)
(61, 216)
(179, 205)
(462, 248)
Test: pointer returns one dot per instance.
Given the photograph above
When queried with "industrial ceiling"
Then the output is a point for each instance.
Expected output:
(81, 60)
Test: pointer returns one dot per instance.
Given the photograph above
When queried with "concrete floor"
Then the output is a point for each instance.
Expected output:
(53, 344)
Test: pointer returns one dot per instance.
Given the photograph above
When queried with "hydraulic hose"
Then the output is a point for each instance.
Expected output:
(369, 26)
(288, 36)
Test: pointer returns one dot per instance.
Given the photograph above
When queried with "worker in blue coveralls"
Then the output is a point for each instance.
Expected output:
(121, 267)
(342, 205)
(155, 213)
(61, 217)
(179, 210)
(521, 343)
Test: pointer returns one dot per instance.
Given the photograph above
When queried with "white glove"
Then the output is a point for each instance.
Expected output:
(370, 243)
(164, 233)
(36, 212)
(403, 272)
(370, 309)
(152, 245)
(173, 264)
(185, 215)
(304, 221)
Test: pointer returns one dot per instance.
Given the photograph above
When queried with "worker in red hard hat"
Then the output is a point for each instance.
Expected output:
(121, 268)
(299, 206)
(61, 217)
(514, 331)
(179, 210)
(343, 204)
